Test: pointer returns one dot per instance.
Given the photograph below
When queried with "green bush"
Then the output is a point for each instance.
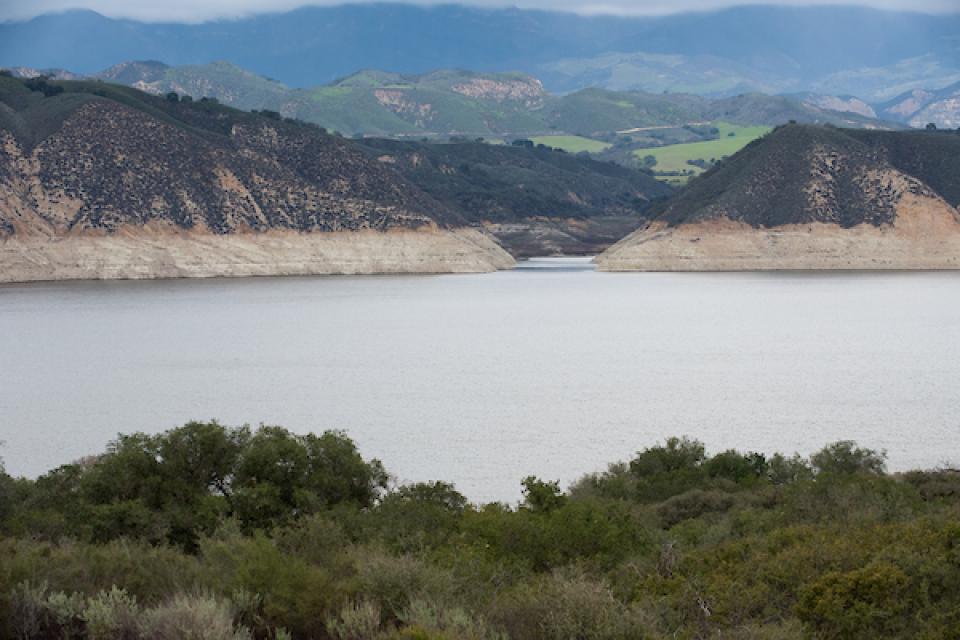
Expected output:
(693, 504)
(871, 602)
(295, 594)
(567, 605)
(846, 457)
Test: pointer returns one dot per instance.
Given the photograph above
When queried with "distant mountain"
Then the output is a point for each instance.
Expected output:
(922, 106)
(877, 84)
(841, 104)
(830, 50)
(807, 197)
(55, 74)
(470, 104)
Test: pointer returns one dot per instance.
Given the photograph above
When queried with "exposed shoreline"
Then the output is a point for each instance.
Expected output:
(924, 237)
(145, 254)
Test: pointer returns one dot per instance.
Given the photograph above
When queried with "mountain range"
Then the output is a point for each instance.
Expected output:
(446, 103)
(872, 54)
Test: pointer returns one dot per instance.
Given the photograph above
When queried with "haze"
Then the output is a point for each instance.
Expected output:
(198, 11)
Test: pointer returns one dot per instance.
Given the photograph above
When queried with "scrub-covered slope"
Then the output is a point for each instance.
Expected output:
(812, 198)
(98, 181)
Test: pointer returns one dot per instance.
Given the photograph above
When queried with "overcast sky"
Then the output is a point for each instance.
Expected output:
(200, 10)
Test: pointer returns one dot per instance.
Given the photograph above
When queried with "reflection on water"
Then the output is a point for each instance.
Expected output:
(558, 265)
(551, 369)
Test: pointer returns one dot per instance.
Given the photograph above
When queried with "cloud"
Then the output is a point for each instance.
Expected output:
(202, 10)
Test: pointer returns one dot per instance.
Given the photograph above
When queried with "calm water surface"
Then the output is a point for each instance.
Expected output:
(552, 369)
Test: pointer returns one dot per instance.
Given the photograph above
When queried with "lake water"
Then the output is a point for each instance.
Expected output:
(552, 369)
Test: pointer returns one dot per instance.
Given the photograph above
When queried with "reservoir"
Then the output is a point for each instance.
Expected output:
(552, 369)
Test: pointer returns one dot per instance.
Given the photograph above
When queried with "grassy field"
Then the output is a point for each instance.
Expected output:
(572, 144)
(674, 157)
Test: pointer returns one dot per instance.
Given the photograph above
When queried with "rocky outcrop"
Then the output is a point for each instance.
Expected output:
(811, 198)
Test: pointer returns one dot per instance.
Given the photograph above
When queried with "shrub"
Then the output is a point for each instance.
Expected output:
(675, 455)
(417, 517)
(392, 582)
(199, 617)
(66, 612)
(693, 504)
(542, 496)
(870, 602)
(846, 457)
(358, 620)
(296, 595)
(567, 605)
(424, 619)
(736, 466)
(112, 615)
(784, 470)
(317, 539)
(28, 610)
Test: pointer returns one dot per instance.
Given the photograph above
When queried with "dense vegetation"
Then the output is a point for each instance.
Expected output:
(213, 532)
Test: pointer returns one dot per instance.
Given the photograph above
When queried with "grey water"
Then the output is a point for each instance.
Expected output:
(552, 369)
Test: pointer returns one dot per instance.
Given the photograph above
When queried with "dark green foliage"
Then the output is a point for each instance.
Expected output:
(177, 486)
(510, 183)
(692, 504)
(278, 531)
(846, 457)
(279, 476)
(42, 84)
(677, 454)
(542, 496)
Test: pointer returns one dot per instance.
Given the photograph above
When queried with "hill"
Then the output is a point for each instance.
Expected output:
(99, 180)
(806, 197)
(537, 201)
(920, 107)
(505, 106)
(726, 52)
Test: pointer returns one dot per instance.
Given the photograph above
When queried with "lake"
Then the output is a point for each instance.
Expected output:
(552, 369)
